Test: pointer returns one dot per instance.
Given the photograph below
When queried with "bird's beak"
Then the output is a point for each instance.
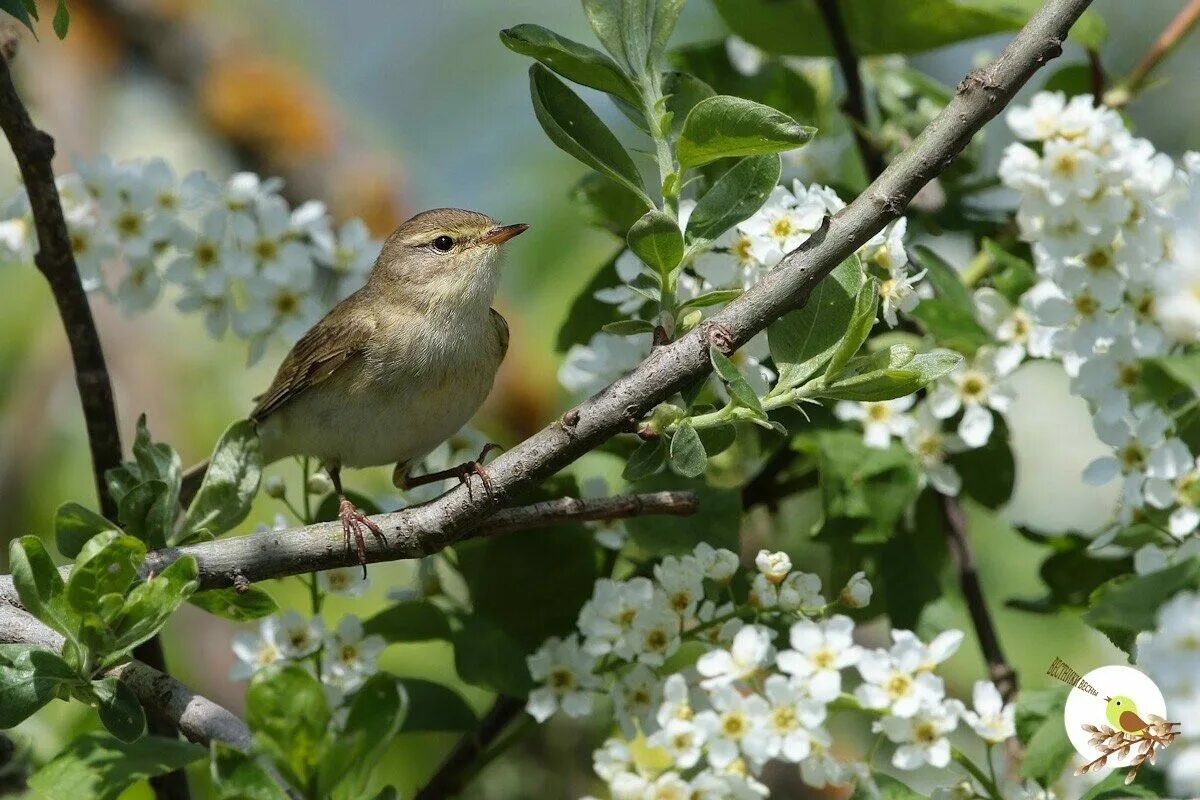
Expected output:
(1107, 699)
(502, 233)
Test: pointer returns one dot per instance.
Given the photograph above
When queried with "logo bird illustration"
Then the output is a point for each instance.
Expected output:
(1122, 712)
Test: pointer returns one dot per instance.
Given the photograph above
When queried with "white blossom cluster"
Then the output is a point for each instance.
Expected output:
(1105, 213)
(737, 260)
(237, 253)
(754, 684)
(1169, 654)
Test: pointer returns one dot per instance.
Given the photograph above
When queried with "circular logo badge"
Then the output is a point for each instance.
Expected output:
(1115, 698)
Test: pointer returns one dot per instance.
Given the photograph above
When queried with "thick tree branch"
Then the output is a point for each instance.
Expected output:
(855, 104)
(295, 551)
(55, 259)
(999, 670)
(34, 150)
(196, 717)
(451, 776)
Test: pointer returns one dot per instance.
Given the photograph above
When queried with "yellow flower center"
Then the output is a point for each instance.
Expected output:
(561, 679)
(733, 726)
(898, 685)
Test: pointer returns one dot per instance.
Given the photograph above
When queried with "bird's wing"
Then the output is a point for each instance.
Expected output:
(1131, 722)
(330, 344)
(500, 324)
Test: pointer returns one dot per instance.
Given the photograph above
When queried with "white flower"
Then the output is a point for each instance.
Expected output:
(1183, 492)
(785, 730)
(775, 566)
(349, 657)
(566, 678)
(682, 740)
(750, 652)
(298, 637)
(636, 698)
(801, 591)
(899, 293)
(654, 636)
(346, 581)
(922, 736)
(892, 680)
(880, 420)
(718, 564)
(857, 592)
(587, 369)
(974, 389)
(932, 445)
(1012, 326)
(734, 717)
(606, 620)
(256, 651)
(991, 719)
(612, 759)
(682, 579)
(929, 656)
(1142, 450)
(820, 651)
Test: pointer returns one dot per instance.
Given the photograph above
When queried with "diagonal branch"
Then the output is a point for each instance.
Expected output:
(855, 104)
(295, 551)
(55, 259)
(455, 770)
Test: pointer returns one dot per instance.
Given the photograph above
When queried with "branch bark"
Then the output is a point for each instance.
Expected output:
(855, 104)
(999, 670)
(55, 259)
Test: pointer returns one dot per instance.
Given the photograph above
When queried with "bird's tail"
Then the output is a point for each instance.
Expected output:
(192, 478)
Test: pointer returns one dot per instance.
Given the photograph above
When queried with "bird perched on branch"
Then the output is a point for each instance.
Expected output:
(1122, 712)
(399, 366)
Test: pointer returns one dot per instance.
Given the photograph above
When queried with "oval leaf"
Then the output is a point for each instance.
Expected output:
(803, 341)
(725, 126)
(657, 241)
(734, 197)
(120, 710)
(229, 484)
(574, 61)
(687, 452)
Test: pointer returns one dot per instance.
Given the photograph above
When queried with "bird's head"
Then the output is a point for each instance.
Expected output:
(446, 256)
(1117, 705)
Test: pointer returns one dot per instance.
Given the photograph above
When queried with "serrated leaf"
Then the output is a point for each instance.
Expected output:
(1128, 605)
(724, 127)
(576, 129)
(803, 341)
(687, 456)
(572, 60)
(376, 711)
(735, 197)
(656, 239)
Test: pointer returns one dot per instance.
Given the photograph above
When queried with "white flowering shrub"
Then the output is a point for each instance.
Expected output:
(850, 445)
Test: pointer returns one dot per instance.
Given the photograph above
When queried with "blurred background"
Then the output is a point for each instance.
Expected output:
(380, 110)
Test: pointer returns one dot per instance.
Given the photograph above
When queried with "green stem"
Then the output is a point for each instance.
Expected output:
(988, 784)
(732, 413)
(991, 762)
(1175, 32)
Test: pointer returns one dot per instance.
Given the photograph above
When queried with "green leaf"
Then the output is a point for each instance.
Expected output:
(107, 564)
(610, 205)
(885, 788)
(739, 389)
(725, 126)
(1184, 368)
(41, 588)
(230, 482)
(710, 299)
(874, 487)
(1072, 572)
(989, 472)
(950, 316)
(888, 384)
(687, 452)
(1039, 721)
(17, 9)
(98, 767)
(252, 604)
(775, 84)
(532, 583)
(795, 27)
(666, 14)
(858, 328)
(1128, 605)
(62, 19)
(29, 679)
(156, 461)
(913, 561)
(683, 91)
(286, 710)
(434, 708)
(572, 60)
(120, 710)
(657, 241)
(1011, 275)
(803, 341)
(1113, 788)
(629, 327)
(376, 711)
(716, 521)
(605, 18)
(149, 605)
(735, 197)
(649, 458)
(412, 621)
(239, 776)
(74, 524)
(577, 130)
(718, 439)
(145, 512)
(484, 655)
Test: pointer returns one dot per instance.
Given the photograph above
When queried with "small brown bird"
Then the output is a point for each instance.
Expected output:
(399, 366)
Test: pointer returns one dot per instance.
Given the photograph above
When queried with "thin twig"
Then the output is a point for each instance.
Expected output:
(1000, 671)
(34, 150)
(1163, 46)
(311, 548)
(451, 776)
(855, 104)
(55, 259)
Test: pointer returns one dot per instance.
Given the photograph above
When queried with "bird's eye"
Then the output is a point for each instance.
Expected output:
(443, 244)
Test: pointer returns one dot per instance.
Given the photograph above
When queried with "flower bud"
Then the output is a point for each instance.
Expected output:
(857, 593)
(274, 487)
(775, 566)
(319, 483)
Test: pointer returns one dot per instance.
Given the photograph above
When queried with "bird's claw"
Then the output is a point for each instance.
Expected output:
(466, 470)
(353, 522)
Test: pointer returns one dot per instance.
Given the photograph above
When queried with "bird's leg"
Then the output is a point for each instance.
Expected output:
(462, 471)
(354, 520)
